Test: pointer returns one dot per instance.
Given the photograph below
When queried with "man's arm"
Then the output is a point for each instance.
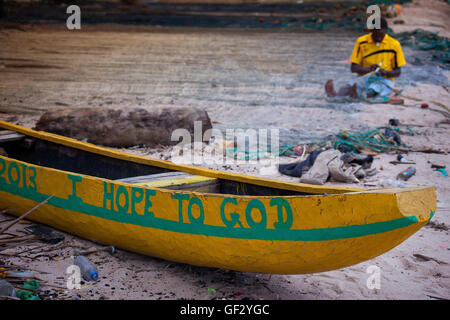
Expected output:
(356, 68)
(391, 74)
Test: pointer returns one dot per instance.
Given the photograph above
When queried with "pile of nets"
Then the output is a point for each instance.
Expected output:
(427, 41)
(381, 139)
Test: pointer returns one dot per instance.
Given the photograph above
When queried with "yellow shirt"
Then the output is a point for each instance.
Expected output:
(366, 53)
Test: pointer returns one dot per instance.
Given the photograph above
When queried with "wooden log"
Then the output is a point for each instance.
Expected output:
(430, 151)
(124, 127)
(401, 162)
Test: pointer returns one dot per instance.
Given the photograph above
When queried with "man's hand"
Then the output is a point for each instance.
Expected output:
(383, 73)
(373, 67)
(356, 68)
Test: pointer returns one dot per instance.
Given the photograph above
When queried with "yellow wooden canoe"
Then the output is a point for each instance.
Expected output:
(200, 216)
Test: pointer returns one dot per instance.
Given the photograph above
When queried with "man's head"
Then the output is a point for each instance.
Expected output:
(378, 34)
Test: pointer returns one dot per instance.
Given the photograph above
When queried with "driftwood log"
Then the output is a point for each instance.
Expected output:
(124, 127)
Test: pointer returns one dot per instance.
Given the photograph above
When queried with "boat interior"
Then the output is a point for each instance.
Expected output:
(53, 155)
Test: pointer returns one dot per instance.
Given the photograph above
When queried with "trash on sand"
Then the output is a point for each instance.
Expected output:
(365, 160)
(406, 174)
(392, 183)
(396, 101)
(20, 274)
(26, 295)
(321, 165)
(394, 122)
(298, 150)
(6, 289)
(88, 270)
(32, 285)
(374, 140)
(392, 11)
(392, 134)
(299, 168)
(3, 273)
(211, 290)
(329, 165)
(109, 249)
(401, 160)
(443, 172)
(424, 105)
(48, 234)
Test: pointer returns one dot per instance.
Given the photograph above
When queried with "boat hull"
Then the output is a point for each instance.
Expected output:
(283, 235)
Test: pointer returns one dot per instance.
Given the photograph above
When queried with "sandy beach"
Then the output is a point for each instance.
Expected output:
(233, 72)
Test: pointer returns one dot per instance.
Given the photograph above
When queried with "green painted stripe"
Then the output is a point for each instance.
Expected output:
(216, 231)
(431, 215)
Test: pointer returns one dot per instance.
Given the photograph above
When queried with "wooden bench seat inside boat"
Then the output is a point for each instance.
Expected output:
(176, 181)
(7, 135)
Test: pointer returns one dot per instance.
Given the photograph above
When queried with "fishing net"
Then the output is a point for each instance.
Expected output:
(246, 154)
(380, 139)
(427, 41)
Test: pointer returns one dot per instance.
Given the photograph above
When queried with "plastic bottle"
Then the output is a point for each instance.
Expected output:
(392, 183)
(87, 269)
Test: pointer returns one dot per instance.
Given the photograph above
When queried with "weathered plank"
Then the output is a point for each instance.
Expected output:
(176, 181)
(154, 177)
(6, 136)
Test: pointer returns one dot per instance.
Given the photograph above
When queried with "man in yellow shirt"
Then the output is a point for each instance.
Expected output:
(378, 53)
